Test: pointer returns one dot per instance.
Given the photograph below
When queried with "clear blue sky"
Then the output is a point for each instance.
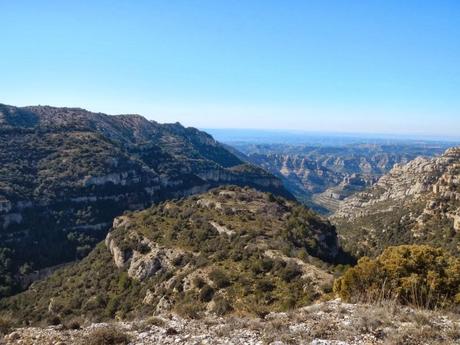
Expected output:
(352, 66)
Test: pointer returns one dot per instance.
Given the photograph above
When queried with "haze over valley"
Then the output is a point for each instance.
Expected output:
(322, 170)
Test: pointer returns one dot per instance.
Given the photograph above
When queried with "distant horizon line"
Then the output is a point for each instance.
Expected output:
(313, 132)
(357, 135)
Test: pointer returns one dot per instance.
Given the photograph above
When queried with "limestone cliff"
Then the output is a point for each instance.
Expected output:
(322, 177)
(414, 203)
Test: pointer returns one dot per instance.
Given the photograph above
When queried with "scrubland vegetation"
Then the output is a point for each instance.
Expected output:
(416, 275)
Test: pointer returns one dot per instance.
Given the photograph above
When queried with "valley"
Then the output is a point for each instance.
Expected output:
(323, 170)
(230, 173)
(121, 230)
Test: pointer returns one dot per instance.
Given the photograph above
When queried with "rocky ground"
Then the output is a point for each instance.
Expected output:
(327, 323)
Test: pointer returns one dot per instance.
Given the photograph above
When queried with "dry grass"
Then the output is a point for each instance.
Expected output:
(109, 335)
(156, 321)
(147, 324)
(324, 329)
(397, 325)
(373, 319)
(6, 323)
(383, 323)
(74, 323)
(224, 330)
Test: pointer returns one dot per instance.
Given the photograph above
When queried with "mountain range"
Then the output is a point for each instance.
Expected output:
(65, 173)
(323, 176)
(159, 226)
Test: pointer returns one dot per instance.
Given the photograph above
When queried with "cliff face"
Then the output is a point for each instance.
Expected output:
(414, 203)
(65, 173)
(322, 177)
(230, 249)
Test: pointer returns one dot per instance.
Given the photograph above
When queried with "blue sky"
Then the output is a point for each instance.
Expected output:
(339, 66)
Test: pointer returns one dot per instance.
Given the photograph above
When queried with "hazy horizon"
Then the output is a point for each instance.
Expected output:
(349, 67)
(285, 131)
(272, 135)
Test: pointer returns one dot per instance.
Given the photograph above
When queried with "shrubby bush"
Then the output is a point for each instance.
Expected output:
(6, 323)
(206, 293)
(417, 275)
(221, 306)
(109, 335)
(219, 278)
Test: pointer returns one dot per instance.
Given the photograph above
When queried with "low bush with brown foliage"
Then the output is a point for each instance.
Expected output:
(109, 335)
(417, 275)
(6, 323)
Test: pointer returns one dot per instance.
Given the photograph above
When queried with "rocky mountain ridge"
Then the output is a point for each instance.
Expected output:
(323, 177)
(416, 202)
(65, 173)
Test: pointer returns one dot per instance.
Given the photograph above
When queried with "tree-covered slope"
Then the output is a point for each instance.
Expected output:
(65, 173)
(228, 250)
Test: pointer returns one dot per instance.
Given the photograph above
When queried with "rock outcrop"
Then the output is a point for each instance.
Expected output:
(327, 323)
(322, 177)
(414, 203)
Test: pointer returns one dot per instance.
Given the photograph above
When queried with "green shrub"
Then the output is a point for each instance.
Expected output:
(290, 272)
(142, 248)
(53, 320)
(418, 275)
(206, 293)
(221, 306)
(263, 265)
(219, 278)
(198, 282)
(265, 285)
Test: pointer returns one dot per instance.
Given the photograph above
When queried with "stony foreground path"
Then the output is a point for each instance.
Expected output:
(328, 323)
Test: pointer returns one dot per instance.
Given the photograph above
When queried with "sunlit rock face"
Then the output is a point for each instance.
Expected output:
(418, 202)
(322, 177)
